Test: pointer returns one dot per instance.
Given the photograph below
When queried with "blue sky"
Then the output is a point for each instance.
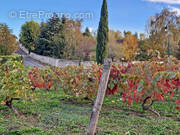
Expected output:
(123, 14)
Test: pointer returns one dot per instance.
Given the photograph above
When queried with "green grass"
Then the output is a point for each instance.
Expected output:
(54, 113)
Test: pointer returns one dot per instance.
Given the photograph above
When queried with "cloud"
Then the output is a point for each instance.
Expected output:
(174, 9)
(166, 1)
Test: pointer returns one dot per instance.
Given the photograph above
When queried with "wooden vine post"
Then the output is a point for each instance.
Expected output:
(100, 97)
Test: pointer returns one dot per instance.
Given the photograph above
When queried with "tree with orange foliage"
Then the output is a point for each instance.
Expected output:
(8, 42)
(130, 46)
(74, 37)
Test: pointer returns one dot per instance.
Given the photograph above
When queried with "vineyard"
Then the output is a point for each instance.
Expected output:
(147, 89)
(63, 72)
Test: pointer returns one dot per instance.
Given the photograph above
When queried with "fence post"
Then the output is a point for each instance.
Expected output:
(100, 97)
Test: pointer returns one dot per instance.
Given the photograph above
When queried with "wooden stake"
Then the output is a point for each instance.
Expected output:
(100, 97)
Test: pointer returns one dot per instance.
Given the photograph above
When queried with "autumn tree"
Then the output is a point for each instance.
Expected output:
(130, 45)
(29, 33)
(127, 33)
(115, 45)
(8, 43)
(102, 36)
(85, 48)
(74, 36)
(158, 34)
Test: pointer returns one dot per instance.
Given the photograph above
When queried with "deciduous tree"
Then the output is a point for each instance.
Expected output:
(8, 43)
(162, 26)
(29, 33)
(130, 45)
(115, 45)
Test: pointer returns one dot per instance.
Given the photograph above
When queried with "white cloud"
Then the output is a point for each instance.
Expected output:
(174, 9)
(166, 1)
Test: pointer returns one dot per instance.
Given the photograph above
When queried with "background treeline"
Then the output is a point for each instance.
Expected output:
(59, 38)
(159, 28)
(63, 38)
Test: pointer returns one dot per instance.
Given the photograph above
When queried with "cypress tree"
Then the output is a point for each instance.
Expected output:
(102, 36)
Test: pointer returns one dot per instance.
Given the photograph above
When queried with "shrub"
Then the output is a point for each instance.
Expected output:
(14, 84)
(145, 82)
(41, 78)
(77, 81)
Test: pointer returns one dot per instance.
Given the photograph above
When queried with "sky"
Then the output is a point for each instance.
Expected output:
(126, 15)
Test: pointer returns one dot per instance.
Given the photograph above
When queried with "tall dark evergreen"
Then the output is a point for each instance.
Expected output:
(51, 40)
(60, 40)
(102, 35)
(53, 28)
(42, 40)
